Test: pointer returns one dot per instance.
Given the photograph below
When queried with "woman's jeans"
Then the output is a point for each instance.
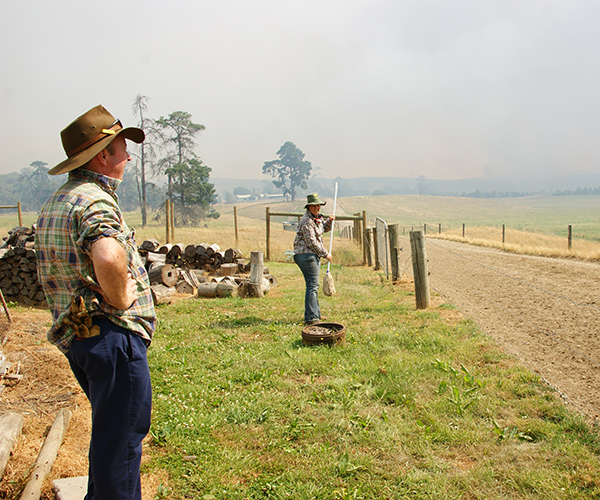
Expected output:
(309, 264)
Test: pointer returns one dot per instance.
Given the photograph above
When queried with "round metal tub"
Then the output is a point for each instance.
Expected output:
(324, 333)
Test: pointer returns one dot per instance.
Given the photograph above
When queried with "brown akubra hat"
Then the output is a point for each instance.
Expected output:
(88, 135)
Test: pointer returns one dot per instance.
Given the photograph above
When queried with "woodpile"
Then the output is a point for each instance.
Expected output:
(203, 270)
(172, 269)
(18, 276)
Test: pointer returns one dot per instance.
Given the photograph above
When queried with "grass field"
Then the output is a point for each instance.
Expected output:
(417, 404)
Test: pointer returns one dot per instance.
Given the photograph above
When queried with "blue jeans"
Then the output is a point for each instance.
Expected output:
(309, 264)
(112, 369)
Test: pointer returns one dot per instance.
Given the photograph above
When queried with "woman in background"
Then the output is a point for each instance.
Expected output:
(308, 250)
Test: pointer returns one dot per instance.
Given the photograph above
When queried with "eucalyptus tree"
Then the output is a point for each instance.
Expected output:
(178, 133)
(147, 152)
(291, 169)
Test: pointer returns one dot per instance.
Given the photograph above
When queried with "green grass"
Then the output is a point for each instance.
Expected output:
(417, 404)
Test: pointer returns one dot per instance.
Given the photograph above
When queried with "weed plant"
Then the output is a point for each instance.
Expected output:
(416, 404)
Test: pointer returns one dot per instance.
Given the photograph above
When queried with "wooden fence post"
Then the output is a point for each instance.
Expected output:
(503, 234)
(172, 222)
(376, 248)
(268, 219)
(425, 229)
(167, 221)
(570, 238)
(363, 236)
(463, 229)
(421, 274)
(369, 245)
(19, 212)
(235, 222)
(394, 251)
(440, 229)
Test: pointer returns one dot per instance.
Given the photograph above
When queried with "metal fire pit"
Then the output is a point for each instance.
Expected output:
(324, 334)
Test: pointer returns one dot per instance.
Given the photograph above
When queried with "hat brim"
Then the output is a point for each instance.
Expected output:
(320, 203)
(132, 133)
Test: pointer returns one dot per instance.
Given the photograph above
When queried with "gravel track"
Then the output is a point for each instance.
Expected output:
(545, 311)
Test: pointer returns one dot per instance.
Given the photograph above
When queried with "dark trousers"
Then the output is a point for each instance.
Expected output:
(112, 370)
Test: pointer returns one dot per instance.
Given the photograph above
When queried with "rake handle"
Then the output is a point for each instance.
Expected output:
(332, 224)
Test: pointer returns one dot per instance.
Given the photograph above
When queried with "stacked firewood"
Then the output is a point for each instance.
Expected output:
(200, 269)
(18, 268)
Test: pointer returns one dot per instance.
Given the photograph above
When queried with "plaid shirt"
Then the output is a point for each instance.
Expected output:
(309, 235)
(80, 212)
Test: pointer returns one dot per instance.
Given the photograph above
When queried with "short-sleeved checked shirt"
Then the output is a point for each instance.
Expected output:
(309, 235)
(80, 212)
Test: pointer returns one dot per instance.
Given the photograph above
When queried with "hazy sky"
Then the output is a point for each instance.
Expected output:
(441, 88)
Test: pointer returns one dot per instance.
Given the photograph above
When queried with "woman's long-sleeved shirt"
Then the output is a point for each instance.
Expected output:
(309, 234)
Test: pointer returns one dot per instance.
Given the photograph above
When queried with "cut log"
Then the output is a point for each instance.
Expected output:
(212, 249)
(256, 273)
(228, 269)
(150, 245)
(165, 248)
(212, 290)
(177, 250)
(162, 294)
(167, 275)
(190, 252)
(11, 426)
(184, 287)
(231, 254)
(272, 279)
(190, 278)
(47, 455)
(247, 289)
(161, 258)
(201, 249)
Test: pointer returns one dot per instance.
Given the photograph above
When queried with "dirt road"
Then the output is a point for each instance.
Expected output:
(545, 311)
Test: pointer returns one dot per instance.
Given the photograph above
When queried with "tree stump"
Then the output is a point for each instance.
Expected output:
(167, 275)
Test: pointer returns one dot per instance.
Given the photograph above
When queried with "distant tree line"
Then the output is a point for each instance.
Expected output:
(578, 191)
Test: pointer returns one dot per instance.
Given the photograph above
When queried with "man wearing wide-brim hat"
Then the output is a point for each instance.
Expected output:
(98, 291)
(308, 251)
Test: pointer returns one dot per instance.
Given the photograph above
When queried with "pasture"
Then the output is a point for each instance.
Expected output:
(417, 404)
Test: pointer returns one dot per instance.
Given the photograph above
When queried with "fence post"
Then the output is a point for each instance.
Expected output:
(363, 238)
(503, 234)
(394, 251)
(172, 222)
(463, 229)
(376, 248)
(570, 238)
(236, 225)
(369, 245)
(424, 228)
(268, 221)
(440, 230)
(420, 272)
(167, 221)
(19, 212)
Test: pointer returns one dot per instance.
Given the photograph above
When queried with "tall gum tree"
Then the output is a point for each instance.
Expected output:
(291, 169)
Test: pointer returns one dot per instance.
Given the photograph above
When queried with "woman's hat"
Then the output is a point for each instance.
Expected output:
(88, 135)
(313, 199)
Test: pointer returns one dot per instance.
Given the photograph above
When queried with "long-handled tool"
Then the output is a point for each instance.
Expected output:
(328, 285)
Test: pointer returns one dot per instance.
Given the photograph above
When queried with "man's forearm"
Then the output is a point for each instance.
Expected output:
(112, 272)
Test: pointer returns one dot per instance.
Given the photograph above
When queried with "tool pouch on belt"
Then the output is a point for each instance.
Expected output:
(80, 320)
